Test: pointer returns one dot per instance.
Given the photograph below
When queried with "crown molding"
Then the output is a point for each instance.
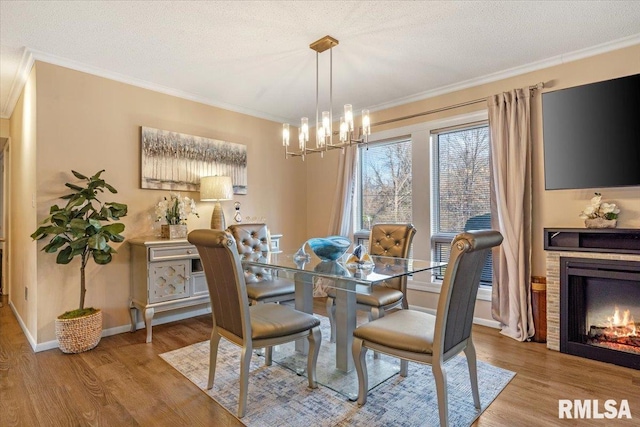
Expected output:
(29, 56)
(19, 80)
(96, 71)
(512, 72)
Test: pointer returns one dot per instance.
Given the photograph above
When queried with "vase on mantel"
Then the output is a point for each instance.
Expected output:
(168, 231)
(600, 223)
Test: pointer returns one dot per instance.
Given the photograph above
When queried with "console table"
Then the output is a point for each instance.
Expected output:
(165, 275)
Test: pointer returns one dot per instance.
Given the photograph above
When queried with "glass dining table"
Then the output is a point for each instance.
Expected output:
(348, 280)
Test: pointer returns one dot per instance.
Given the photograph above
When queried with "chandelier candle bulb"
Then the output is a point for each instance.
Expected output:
(326, 125)
(320, 137)
(304, 130)
(285, 134)
(366, 123)
(348, 117)
(343, 130)
(301, 140)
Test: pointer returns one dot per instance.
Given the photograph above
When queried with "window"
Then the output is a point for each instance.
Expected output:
(460, 187)
(385, 183)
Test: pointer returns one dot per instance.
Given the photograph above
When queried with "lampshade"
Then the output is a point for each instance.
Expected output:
(216, 188)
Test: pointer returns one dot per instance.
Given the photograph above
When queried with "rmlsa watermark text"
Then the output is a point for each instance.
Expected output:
(593, 409)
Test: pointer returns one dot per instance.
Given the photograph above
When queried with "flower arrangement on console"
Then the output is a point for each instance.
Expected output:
(600, 214)
(176, 209)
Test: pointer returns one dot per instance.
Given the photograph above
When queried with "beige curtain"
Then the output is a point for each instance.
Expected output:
(341, 221)
(510, 125)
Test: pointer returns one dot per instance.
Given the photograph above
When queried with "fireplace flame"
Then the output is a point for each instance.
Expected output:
(621, 326)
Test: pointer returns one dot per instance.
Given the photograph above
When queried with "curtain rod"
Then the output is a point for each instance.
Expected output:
(450, 107)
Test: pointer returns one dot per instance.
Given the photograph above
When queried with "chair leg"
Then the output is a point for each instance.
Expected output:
(376, 313)
(331, 314)
(470, 352)
(244, 380)
(268, 356)
(440, 376)
(404, 368)
(315, 340)
(213, 356)
(359, 353)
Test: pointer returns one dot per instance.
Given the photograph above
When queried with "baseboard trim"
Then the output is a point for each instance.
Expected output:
(158, 320)
(477, 320)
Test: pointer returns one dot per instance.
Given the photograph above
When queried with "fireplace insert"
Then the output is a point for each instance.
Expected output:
(600, 310)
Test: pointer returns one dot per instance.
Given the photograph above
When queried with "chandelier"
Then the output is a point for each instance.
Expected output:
(324, 121)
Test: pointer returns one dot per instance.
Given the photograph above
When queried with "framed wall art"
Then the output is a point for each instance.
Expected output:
(176, 161)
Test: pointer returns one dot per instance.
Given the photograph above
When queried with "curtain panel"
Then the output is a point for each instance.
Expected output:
(341, 221)
(510, 163)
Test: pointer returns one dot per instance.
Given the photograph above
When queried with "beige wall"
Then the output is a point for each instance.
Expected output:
(88, 123)
(558, 208)
(4, 128)
(22, 212)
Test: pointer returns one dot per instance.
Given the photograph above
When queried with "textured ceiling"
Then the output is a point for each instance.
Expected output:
(254, 57)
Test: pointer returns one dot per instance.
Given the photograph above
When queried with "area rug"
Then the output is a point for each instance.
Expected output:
(277, 396)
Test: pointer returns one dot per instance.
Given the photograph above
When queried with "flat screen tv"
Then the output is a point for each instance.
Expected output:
(591, 135)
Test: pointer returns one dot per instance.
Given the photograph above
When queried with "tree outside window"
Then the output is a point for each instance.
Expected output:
(385, 183)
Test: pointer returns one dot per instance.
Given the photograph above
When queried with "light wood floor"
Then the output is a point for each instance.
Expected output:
(123, 382)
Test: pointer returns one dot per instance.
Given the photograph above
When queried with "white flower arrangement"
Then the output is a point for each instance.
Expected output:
(598, 209)
(176, 209)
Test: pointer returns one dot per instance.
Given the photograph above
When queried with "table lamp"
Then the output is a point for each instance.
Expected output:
(217, 189)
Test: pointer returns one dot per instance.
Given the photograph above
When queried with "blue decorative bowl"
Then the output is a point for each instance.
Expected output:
(329, 248)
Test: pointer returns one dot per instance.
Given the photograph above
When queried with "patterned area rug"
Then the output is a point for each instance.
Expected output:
(277, 396)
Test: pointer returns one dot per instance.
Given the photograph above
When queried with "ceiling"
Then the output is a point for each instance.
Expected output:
(254, 57)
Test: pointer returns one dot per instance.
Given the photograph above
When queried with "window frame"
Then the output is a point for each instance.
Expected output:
(359, 226)
(419, 134)
(438, 237)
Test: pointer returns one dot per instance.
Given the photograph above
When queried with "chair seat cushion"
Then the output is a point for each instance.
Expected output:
(275, 320)
(408, 330)
(268, 289)
(380, 296)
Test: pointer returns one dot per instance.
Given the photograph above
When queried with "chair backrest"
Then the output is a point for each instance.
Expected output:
(454, 318)
(227, 288)
(482, 222)
(253, 241)
(392, 240)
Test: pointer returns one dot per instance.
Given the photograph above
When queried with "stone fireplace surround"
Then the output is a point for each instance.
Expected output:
(574, 247)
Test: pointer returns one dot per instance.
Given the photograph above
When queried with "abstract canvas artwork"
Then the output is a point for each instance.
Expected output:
(176, 161)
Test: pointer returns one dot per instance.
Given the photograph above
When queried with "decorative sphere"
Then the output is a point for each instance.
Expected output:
(329, 248)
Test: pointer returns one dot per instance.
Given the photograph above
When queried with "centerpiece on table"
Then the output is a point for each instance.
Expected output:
(174, 210)
(600, 214)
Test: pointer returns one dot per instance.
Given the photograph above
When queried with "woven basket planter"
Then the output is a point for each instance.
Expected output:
(79, 334)
(600, 223)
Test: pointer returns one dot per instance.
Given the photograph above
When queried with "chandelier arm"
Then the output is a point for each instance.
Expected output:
(317, 97)
(330, 98)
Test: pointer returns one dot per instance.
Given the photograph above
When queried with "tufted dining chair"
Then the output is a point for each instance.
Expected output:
(391, 240)
(421, 337)
(256, 326)
(263, 284)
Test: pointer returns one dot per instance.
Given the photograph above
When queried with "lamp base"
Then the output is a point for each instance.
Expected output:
(217, 218)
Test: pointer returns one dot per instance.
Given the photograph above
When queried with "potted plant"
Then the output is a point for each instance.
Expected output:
(174, 210)
(82, 228)
(600, 214)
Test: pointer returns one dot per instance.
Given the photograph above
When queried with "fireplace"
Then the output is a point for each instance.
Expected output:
(600, 310)
(590, 272)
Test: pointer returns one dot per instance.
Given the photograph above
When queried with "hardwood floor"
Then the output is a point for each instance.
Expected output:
(123, 382)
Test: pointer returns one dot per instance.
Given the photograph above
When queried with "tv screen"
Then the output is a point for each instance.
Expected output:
(591, 135)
